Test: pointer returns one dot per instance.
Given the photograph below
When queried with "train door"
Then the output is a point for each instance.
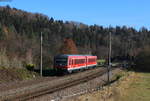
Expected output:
(69, 63)
(86, 61)
(72, 63)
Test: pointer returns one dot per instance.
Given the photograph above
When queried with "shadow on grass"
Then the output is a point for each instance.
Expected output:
(141, 70)
(112, 81)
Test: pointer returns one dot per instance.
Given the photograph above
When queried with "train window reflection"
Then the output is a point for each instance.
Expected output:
(61, 61)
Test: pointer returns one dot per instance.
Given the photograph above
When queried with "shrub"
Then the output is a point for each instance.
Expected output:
(30, 67)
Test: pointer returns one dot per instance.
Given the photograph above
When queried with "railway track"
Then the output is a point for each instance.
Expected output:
(31, 92)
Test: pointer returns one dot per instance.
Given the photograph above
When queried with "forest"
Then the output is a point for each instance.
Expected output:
(20, 39)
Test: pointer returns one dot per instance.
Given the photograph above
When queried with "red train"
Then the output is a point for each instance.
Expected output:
(69, 63)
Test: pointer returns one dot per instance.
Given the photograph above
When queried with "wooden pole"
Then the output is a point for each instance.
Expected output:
(41, 54)
(109, 65)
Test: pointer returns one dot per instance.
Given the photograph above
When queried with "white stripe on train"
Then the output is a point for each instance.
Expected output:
(80, 67)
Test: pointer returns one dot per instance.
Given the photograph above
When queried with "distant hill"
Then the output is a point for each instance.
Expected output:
(20, 37)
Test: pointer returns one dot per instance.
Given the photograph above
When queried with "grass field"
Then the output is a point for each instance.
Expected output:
(138, 88)
(132, 86)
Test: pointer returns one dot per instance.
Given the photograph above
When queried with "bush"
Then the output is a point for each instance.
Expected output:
(30, 67)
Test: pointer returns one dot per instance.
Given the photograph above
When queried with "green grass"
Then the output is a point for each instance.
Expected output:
(101, 62)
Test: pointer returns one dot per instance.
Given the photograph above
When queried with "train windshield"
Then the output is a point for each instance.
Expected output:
(61, 61)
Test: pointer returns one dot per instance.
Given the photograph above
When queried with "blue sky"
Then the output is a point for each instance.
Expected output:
(134, 13)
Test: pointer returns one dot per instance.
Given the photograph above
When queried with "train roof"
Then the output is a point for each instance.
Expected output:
(67, 55)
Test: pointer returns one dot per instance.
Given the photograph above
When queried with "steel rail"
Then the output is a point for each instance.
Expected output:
(47, 89)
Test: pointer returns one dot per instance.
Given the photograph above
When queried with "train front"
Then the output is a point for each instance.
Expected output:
(61, 63)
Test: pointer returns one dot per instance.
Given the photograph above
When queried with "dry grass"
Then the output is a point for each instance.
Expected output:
(131, 87)
(14, 74)
(6, 62)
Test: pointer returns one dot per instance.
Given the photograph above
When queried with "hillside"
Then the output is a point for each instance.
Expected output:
(20, 37)
(9, 75)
